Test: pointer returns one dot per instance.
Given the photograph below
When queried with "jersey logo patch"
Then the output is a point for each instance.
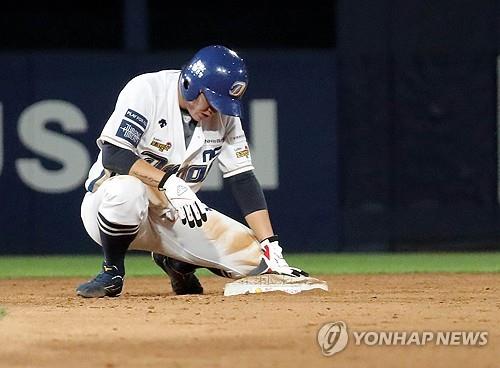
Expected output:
(162, 123)
(129, 132)
(136, 117)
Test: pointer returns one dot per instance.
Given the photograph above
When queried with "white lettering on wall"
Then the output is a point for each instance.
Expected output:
(74, 159)
(70, 153)
(264, 125)
(263, 146)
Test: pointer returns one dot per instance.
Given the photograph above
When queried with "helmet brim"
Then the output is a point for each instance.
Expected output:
(223, 104)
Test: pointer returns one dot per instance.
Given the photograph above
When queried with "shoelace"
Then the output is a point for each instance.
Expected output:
(105, 277)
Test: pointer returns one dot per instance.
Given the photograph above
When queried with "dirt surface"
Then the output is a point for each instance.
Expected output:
(44, 324)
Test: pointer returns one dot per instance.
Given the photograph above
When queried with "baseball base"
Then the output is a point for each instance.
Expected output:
(271, 282)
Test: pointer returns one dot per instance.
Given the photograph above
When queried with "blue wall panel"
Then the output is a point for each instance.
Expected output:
(42, 215)
(418, 99)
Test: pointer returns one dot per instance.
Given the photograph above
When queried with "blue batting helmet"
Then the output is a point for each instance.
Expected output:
(220, 74)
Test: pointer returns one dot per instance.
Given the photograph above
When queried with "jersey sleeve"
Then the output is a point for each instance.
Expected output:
(234, 157)
(129, 120)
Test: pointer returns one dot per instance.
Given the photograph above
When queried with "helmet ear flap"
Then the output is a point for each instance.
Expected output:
(187, 86)
(185, 83)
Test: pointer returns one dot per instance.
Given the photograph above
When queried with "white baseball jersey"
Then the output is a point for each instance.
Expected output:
(147, 120)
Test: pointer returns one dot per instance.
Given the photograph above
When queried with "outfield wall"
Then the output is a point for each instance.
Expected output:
(53, 107)
(387, 143)
(418, 121)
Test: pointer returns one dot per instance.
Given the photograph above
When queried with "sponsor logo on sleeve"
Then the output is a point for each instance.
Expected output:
(243, 152)
(161, 146)
(129, 132)
(136, 117)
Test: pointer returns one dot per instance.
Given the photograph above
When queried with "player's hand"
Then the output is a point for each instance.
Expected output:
(273, 256)
(189, 208)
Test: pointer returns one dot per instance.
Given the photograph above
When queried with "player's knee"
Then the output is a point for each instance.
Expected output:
(126, 188)
(126, 194)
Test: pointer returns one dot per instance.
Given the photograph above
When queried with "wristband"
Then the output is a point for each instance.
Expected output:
(165, 177)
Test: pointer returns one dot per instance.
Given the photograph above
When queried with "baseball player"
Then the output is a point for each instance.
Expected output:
(166, 131)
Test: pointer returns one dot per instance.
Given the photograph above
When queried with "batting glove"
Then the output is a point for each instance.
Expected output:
(273, 256)
(189, 208)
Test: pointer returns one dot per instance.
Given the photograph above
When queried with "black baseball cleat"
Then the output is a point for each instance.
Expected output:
(181, 274)
(107, 283)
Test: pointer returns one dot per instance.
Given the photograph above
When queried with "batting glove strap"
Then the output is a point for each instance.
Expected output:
(273, 256)
(168, 174)
(273, 253)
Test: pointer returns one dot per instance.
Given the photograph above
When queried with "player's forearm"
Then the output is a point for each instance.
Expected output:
(146, 173)
(260, 223)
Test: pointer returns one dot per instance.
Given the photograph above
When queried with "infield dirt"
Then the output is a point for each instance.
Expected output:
(46, 325)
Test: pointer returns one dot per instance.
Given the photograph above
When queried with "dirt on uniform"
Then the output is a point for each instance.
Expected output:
(45, 324)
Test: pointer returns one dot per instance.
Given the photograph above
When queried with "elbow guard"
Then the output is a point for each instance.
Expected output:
(116, 159)
(247, 192)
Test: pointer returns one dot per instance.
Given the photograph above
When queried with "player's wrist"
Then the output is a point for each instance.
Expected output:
(273, 256)
(271, 239)
(163, 180)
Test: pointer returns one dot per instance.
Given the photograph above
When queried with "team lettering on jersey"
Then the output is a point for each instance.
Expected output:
(154, 97)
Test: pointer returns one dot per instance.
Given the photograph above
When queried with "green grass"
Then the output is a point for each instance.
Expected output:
(2, 312)
(363, 263)
(140, 264)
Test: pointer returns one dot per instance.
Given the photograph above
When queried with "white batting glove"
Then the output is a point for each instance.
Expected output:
(273, 256)
(189, 208)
